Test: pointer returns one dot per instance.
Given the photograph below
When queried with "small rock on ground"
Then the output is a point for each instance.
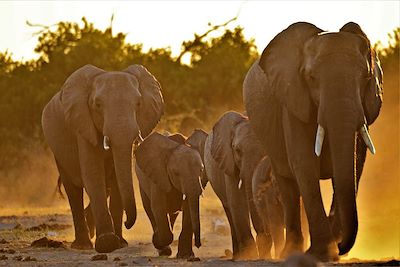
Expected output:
(99, 257)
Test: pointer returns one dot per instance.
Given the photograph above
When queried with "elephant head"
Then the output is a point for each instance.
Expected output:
(118, 107)
(197, 141)
(173, 165)
(235, 146)
(333, 81)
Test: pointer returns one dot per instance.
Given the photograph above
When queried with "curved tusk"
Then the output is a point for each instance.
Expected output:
(184, 196)
(240, 184)
(319, 140)
(106, 142)
(367, 139)
(140, 136)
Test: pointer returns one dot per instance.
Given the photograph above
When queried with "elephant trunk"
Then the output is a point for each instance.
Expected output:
(123, 169)
(193, 203)
(341, 135)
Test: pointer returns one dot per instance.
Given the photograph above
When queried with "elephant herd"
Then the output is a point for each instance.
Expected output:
(309, 101)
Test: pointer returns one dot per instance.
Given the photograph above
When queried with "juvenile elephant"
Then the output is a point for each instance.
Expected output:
(231, 155)
(169, 177)
(307, 86)
(91, 125)
(268, 203)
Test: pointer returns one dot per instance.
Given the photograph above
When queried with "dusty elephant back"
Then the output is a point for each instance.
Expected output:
(265, 114)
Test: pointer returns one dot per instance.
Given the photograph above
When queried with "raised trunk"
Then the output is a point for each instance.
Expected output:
(122, 155)
(193, 202)
(341, 135)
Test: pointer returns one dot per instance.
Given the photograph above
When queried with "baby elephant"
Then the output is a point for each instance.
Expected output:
(267, 200)
(169, 174)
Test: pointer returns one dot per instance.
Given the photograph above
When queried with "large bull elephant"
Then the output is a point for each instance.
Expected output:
(310, 98)
(91, 125)
(169, 174)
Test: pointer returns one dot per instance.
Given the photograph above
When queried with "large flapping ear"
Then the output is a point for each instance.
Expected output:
(373, 95)
(152, 103)
(223, 134)
(152, 157)
(74, 98)
(282, 61)
(197, 140)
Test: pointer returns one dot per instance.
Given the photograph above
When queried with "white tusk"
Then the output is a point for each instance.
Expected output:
(319, 140)
(140, 136)
(106, 142)
(184, 196)
(367, 138)
(240, 184)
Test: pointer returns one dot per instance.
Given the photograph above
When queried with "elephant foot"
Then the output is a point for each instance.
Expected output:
(165, 251)
(246, 253)
(107, 242)
(325, 253)
(264, 245)
(291, 248)
(82, 244)
(185, 254)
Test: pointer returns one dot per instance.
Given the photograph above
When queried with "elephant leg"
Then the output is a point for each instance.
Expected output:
(291, 204)
(162, 236)
(263, 238)
(90, 221)
(305, 166)
(75, 198)
(240, 215)
(185, 238)
(93, 176)
(275, 222)
(235, 242)
(116, 211)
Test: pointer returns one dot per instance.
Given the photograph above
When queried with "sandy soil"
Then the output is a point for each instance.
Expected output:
(19, 228)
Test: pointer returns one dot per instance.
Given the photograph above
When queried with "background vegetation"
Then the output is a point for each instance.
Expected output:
(194, 94)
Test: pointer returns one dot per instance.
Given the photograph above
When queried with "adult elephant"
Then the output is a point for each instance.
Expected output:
(169, 177)
(267, 200)
(231, 155)
(307, 85)
(91, 125)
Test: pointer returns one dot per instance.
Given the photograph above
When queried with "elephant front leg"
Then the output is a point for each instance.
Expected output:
(305, 166)
(93, 176)
(75, 198)
(291, 205)
(162, 236)
(240, 216)
(185, 238)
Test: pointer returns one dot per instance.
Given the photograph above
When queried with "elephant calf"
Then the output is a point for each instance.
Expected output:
(169, 173)
(231, 153)
(268, 203)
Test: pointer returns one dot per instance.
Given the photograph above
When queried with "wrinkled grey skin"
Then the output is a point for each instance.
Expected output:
(231, 154)
(268, 202)
(303, 79)
(91, 104)
(169, 177)
(197, 141)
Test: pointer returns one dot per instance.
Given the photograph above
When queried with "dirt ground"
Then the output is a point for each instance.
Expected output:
(19, 228)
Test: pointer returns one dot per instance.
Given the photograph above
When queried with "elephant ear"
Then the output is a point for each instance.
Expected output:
(282, 61)
(74, 98)
(197, 140)
(179, 138)
(152, 103)
(373, 94)
(152, 157)
(221, 147)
